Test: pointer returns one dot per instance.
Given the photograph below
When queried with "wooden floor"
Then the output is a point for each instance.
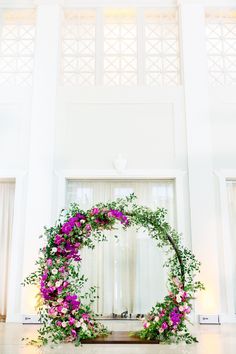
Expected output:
(118, 337)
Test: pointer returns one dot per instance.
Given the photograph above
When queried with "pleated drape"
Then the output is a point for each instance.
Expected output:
(7, 190)
(231, 189)
(127, 270)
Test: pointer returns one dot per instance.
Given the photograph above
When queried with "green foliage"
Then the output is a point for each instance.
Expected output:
(166, 321)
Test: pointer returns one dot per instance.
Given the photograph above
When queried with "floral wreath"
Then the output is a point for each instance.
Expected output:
(65, 310)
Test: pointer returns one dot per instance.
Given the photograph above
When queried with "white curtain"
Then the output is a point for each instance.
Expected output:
(7, 190)
(127, 270)
(231, 188)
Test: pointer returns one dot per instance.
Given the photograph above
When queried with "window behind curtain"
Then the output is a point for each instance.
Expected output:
(128, 270)
(231, 189)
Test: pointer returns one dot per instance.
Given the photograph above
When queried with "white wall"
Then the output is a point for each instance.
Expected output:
(151, 127)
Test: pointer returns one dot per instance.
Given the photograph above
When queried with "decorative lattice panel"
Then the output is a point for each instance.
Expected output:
(78, 47)
(120, 48)
(161, 42)
(221, 46)
(17, 38)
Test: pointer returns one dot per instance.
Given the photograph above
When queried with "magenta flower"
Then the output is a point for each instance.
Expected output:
(58, 240)
(85, 316)
(175, 316)
(71, 321)
(88, 227)
(73, 332)
(66, 228)
(95, 211)
(164, 325)
(44, 276)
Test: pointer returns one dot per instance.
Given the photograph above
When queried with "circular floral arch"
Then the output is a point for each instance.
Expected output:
(65, 309)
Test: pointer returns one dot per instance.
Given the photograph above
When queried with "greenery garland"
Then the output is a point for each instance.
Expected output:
(66, 312)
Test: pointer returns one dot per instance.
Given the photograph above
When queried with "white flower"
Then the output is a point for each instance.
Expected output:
(81, 320)
(59, 300)
(58, 283)
(82, 221)
(64, 324)
(181, 308)
(84, 326)
(161, 330)
(156, 319)
(54, 271)
(77, 324)
(64, 310)
(53, 250)
(178, 298)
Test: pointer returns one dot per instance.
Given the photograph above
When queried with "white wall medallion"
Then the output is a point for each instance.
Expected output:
(120, 163)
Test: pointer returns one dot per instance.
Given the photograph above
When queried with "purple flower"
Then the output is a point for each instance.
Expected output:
(175, 316)
(75, 305)
(80, 216)
(66, 228)
(71, 297)
(59, 289)
(44, 276)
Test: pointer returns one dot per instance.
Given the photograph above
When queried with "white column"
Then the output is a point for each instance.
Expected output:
(201, 180)
(41, 153)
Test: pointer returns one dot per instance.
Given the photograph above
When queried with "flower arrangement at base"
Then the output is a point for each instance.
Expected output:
(66, 309)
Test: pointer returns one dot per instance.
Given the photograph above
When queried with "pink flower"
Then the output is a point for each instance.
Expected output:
(85, 316)
(88, 227)
(162, 313)
(146, 324)
(59, 308)
(188, 310)
(95, 211)
(49, 262)
(58, 323)
(52, 311)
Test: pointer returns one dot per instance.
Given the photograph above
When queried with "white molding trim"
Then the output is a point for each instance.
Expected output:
(223, 176)
(177, 175)
(118, 4)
